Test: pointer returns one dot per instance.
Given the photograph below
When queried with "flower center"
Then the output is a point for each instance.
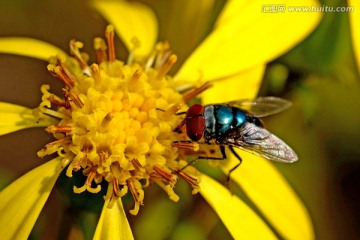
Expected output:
(116, 121)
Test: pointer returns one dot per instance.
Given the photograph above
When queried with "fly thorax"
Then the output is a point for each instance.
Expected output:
(210, 122)
(220, 119)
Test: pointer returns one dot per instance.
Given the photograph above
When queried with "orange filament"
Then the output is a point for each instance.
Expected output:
(58, 72)
(109, 34)
(169, 178)
(196, 91)
(165, 68)
(100, 48)
(58, 129)
(74, 97)
(194, 183)
(74, 49)
(193, 146)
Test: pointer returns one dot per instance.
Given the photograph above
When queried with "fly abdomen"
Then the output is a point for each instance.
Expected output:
(239, 117)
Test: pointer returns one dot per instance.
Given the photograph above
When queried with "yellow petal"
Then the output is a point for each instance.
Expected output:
(271, 193)
(22, 201)
(29, 47)
(355, 28)
(238, 218)
(14, 117)
(244, 85)
(246, 36)
(131, 20)
(113, 223)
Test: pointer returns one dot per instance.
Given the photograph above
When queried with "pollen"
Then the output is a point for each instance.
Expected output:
(116, 121)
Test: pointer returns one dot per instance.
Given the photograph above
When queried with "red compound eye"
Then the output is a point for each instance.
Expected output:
(195, 124)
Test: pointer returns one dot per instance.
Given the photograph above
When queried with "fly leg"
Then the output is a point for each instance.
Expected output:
(236, 166)
(223, 156)
(222, 149)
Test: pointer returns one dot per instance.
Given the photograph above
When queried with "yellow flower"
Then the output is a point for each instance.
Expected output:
(355, 29)
(115, 120)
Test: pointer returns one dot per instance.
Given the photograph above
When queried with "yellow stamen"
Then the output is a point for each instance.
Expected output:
(95, 72)
(74, 49)
(52, 147)
(136, 76)
(172, 110)
(109, 34)
(102, 157)
(56, 100)
(191, 94)
(133, 190)
(136, 44)
(157, 55)
(58, 72)
(52, 113)
(163, 53)
(66, 71)
(138, 195)
(90, 177)
(116, 189)
(74, 97)
(169, 178)
(62, 141)
(65, 162)
(164, 69)
(168, 189)
(193, 146)
(94, 190)
(100, 48)
(58, 129)
(137, 165)
(89, 180)
(194, 183)
(79, 189)
(105, 122)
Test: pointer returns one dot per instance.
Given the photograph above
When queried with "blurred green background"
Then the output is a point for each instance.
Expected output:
(319, 76)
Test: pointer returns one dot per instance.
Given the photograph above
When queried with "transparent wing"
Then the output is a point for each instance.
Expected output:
(262, 106)
(260, 141)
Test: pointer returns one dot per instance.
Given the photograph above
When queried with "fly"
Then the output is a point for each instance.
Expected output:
(237, 124)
